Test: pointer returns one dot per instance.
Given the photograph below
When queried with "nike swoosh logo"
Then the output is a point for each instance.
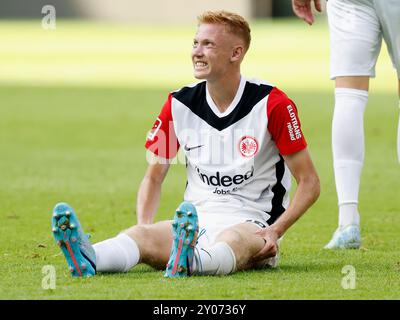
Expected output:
(191, 148)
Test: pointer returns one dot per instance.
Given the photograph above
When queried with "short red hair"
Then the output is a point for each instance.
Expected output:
(235, 23)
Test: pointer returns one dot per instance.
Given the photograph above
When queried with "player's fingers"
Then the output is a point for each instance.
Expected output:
(263, 253)
(299, 13)
(304, 12)
(308, 15)
(317, 4)
(298, 10)
(309, 20)
(260, 254)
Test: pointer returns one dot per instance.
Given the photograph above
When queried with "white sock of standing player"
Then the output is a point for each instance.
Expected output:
(348, 150)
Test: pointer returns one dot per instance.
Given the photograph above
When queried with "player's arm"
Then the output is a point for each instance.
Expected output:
(303, 9)
(307, 192)
(149, 194)
(162, 145)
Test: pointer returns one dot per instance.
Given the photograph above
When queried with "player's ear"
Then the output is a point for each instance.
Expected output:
(237, 53)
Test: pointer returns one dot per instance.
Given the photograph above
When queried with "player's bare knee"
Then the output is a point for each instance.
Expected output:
(151, 242)
(234, 239)
(136, 232)
(231, 236)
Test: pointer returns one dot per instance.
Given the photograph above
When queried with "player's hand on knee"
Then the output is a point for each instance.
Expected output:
(270, 248)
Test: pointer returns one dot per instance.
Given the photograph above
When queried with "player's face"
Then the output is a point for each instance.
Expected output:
(212, 51)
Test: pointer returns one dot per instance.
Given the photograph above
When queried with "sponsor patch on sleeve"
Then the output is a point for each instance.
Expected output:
(153, 132)
(293, 125)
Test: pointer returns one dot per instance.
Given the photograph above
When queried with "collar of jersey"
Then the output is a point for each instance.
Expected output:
(233, 104)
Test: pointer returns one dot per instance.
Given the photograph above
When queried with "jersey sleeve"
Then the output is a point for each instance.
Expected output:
(162, 140)
(284, 124)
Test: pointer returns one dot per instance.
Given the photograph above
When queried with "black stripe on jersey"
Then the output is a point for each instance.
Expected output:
(279, 192)
(195, 99)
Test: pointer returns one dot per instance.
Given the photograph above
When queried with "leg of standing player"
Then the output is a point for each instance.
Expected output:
(355, 40)
(352, 63)
(351, 97)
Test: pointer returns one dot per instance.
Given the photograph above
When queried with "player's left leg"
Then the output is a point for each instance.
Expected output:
(232, 250)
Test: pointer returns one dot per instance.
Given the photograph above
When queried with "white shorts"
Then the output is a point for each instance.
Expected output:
(212, 227)
(215, 217)
(356, 29)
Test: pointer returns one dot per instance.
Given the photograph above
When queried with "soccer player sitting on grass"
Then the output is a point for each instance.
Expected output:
(242, 141)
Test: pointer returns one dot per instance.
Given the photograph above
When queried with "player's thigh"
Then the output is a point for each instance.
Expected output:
(359, 82)
(154, 242)
(389, 15)
(355, 37)
(243, 239)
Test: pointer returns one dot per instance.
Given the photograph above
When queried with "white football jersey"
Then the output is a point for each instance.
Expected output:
(234, 159)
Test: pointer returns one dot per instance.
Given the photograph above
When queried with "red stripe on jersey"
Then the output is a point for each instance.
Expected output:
(162, 139)
(284, 124)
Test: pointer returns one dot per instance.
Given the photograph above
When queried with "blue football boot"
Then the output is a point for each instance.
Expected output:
(74, 243)
(185, 230)
(347, 237)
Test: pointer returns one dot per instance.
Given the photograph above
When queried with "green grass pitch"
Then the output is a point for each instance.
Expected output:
(75, 107)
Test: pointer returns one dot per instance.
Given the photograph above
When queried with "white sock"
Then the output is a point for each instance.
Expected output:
(348, 214)
(348, 150)
(218, 259)
(118, 254)
(347, 177)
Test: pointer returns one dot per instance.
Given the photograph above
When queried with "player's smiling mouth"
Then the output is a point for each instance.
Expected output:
(200, 65)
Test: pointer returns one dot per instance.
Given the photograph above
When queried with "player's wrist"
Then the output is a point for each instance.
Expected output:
(277, 229)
